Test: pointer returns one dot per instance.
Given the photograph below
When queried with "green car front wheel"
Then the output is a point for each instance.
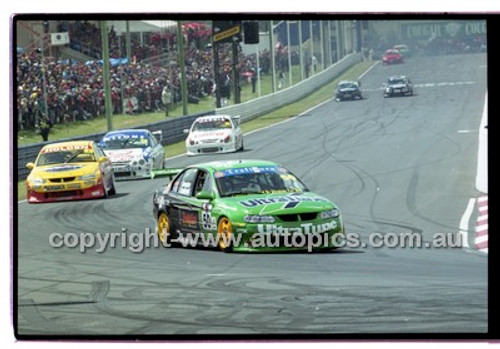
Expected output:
(224, 233)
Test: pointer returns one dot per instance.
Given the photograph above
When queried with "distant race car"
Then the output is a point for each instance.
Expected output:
(348, 90)
(398, 85)
(235, 203)
(392, 56)
(214, 134)
(403, 49)
(70, 171)
(134, 153)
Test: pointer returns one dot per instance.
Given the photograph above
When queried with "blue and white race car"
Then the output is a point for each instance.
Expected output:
(133, 153)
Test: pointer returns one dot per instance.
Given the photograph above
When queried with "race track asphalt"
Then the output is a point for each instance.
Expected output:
(393, 165)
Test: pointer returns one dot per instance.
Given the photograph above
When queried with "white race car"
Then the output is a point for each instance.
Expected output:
(214, 134)
(133, 153)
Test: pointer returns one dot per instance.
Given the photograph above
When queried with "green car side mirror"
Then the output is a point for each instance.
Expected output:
(205, 195)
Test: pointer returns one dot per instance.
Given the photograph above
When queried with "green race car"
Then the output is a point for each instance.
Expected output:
(244, 205)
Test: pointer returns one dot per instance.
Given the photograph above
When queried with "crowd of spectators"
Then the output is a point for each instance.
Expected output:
(86, 37)
(70, 91)
(74, 91)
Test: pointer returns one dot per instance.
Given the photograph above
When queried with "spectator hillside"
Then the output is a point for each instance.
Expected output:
(74, 90)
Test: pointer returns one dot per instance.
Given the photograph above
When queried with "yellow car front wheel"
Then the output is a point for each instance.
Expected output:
(164, 230)
(224, 233)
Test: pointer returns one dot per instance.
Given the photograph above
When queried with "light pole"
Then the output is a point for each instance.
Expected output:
(127, 44)
(271, 51)
(289, 46)
(311, 38)
(301, 52)
(329, 46)
(257, 62)
(322, 45)
(121, 72)
(339, 40)
(42, 70)
(105, 74)
(180, 47)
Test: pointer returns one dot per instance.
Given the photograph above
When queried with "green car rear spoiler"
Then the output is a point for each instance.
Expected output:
(165, 172)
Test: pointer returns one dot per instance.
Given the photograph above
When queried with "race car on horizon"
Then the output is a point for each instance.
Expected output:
(240, 199)
(392, 56)
(70, 171)
(214, 134)
(398, 85)
(135, 153)
(403, 49)
(348, 90)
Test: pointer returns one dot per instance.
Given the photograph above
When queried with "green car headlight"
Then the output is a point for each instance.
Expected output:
(259, 219)
(334, 213)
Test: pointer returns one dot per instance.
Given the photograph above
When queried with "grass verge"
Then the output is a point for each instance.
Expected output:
(291, 110)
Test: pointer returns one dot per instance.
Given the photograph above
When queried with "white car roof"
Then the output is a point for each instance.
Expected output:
(214, 117)
(397, 77)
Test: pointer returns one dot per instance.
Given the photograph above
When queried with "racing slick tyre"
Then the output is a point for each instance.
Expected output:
(242, 146)
(112, 190)
(106, 192)
(224, 232)
(164, 230)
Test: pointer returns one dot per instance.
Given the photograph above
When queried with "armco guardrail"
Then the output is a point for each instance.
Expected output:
(172, 128)
(256, 107)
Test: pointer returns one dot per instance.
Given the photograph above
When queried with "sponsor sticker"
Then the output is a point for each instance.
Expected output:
(213, 120)
(124, 136)
(63, 168)
(248, 170)
(189, 219)
(304, 228)
(54, 187)
(287, 200)
(58, 148)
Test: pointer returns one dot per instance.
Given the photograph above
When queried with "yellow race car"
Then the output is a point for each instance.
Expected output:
(69, 171)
